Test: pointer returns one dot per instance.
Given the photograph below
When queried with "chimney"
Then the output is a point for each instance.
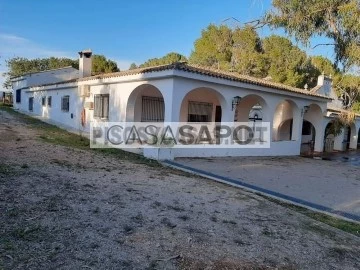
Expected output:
(85, 63)
(325, 83)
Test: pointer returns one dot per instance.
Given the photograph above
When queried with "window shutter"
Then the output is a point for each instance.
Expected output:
(97, 106)
(153, 109)
(200, 110)
(105, 106)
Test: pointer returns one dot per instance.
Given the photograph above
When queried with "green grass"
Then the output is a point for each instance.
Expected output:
(54, 135)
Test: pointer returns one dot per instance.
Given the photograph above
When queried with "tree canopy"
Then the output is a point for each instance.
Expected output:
(241, 50)
(18, 66)
(338, 20)
(133, 66)
(167, 59)
(100, 64)
(213, 48)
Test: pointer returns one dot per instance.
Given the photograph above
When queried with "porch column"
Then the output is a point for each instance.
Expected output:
(319, 138)
(339, 141)
(268, 116)
(297, 128)
(354, 138)
(227, 114)
(172, 107)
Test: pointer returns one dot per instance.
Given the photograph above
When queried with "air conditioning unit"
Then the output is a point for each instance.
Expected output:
(89, 105)
(85, 90)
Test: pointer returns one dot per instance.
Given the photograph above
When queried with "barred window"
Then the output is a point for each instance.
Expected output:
(101, 106)
(49, 101)
(307, 127)
(199, 111)
(43, 101)
(18, 96)
(153, 109)
(65, 103)
(31, 104)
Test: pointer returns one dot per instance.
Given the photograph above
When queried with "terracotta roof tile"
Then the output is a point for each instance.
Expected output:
(182, 66)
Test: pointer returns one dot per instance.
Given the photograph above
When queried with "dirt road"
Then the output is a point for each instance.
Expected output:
(66, 208)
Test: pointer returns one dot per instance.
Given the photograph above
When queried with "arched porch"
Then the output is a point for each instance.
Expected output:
(202, 105)
(145, 104)
(312, 136)
(285, 121)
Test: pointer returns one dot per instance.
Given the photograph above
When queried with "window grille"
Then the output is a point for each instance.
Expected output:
(153, 109)
(31, 104)
(65, 103)
(18, 96)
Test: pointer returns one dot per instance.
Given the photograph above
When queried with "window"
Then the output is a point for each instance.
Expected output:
(43, 101)
(65, 106)
(152, 109)
(306, 129)
(101, 106)
(49, 101)
(18, 96)
(199, 111)
(31, 104)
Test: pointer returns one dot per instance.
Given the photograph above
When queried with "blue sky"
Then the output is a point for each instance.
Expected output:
(125, 31)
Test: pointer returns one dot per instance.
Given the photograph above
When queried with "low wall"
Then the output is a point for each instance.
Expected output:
(280, 148)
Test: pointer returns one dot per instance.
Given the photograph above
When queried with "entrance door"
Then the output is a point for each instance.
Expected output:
(217, 120)
(218, 114)
(347, 137)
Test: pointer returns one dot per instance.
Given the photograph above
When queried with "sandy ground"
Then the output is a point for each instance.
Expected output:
(334, 184)
(62, 208)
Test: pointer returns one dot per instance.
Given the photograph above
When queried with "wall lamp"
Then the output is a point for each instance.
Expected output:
(235, 101)
(305, 110)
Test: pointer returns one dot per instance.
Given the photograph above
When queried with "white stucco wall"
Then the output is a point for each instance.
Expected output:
(125, 105)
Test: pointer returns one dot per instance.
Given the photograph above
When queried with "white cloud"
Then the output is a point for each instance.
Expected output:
(12, 38)
(12, 46)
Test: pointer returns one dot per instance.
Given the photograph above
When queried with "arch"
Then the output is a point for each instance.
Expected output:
(329, 137)
(283, 120)
(351, 140)
(308, 136)
(202, 104)
(251, 106)
(314, 115)
(145, 104)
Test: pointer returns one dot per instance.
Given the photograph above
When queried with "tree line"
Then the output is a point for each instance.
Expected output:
(18, 66)
(274, 58)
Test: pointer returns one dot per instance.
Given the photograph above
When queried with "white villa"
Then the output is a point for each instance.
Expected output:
(180, 92)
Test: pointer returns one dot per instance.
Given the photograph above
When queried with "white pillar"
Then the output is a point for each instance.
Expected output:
(297, 125)
(297, 128)
(227, 114)
(354, 137)
(172, 106)
(339, 141)
(319, 138)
